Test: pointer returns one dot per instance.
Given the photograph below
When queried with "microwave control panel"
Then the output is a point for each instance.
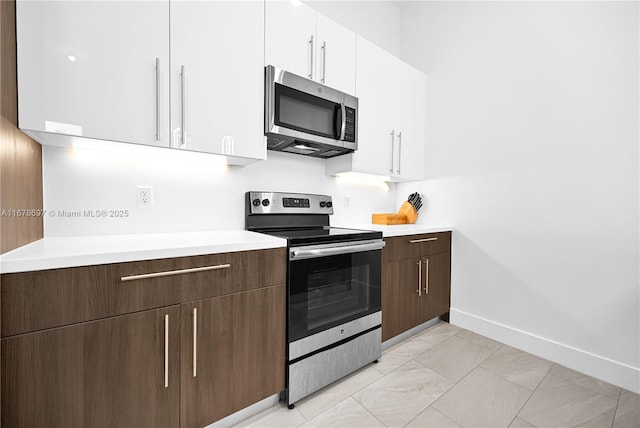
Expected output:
(350, 127)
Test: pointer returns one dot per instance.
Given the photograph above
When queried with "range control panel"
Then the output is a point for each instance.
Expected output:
(296, 203)
(288, 203)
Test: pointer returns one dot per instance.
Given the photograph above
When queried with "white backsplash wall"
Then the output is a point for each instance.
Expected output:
(532, 125)
(190, 193)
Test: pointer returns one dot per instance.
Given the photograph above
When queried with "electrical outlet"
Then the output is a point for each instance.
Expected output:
(347, 201)
(145, 196)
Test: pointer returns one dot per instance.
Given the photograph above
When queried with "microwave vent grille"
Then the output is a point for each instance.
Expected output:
(331, 153)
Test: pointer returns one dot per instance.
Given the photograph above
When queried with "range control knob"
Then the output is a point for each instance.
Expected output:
(265, 202)
(322, 204)
(256, 202)
(329, 204)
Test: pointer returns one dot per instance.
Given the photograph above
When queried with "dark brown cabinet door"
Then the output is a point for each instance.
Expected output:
(400, 301)
(108, 373)
(239, 346)
(436, 285)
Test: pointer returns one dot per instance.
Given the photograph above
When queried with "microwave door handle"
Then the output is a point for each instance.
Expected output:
(343, 127)
(338, 122)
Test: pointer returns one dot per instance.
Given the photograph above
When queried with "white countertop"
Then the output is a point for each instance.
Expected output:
(400, 229)
(62, 252)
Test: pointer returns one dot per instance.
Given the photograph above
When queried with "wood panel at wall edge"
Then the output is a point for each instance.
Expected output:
(20, 156)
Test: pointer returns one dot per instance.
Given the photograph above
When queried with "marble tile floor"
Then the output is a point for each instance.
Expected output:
(446, 376)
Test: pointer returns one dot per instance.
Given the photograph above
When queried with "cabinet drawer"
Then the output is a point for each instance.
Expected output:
(44, 299)
(406, 247)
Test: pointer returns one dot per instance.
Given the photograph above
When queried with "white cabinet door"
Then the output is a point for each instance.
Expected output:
(310, 45)
(375, 90)
(391, 118)
(89, 68)
(335, 55)
(290, 37)
(410, 121)
(217, 77)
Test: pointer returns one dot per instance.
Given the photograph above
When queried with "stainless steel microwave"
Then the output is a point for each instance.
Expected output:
(308, 118)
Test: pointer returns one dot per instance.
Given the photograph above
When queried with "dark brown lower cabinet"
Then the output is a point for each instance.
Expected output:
(111, 373)
(436, 299)
(107, 373)
(238, 342)
(415, 289)
(221, 336)
(400, 307)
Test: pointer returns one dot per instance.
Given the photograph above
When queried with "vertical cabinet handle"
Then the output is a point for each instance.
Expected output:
(399, 150)
(183, 134)
(166, 351)
(157, 99)
(310, 57)
(426, 277)
(324, 61)
(195, 341)
(419, 290)
(393, 141)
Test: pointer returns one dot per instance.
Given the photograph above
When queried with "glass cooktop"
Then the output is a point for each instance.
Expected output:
(324, 234)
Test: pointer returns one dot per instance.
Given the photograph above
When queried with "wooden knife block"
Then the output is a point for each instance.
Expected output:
(406, 209)
(405, 215)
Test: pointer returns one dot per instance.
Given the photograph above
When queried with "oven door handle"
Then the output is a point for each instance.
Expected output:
(299, 254)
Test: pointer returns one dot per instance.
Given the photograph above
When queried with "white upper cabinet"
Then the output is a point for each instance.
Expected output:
(308, 44)
(376, 113)
(94, 69)
(181, 74)
(335, 55)
(410, 122)
(290, 37)
(217, 77)
(391, 118)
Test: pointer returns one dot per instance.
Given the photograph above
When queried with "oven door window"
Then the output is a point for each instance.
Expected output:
(328, 291)
(305, 113)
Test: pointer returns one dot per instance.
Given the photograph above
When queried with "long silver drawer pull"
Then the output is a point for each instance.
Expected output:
(426, 278)
(393, 142)
(166, 351)
(416, 241)
(419, 290)
(173, 272)
(195, 340)
(183, 114)
(157, 99)
(324, 61)
(310, 57)
(298, 254)
(399, 151)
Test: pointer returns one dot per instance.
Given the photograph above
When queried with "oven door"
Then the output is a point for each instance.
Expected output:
(332, 284)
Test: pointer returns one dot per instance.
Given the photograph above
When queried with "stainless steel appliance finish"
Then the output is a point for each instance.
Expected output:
(289, 203)
(308, 118)
(333, 288)
(319, 370)
(323, 250)
(325, 338)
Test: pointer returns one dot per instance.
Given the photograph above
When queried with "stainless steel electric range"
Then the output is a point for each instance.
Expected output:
(333, 289)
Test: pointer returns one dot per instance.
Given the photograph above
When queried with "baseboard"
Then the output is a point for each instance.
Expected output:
(407, 334)
(614, 372)
(246, 413)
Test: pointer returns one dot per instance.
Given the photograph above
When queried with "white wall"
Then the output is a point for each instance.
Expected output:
(377, 21)
(533, 157)
(190, 192)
